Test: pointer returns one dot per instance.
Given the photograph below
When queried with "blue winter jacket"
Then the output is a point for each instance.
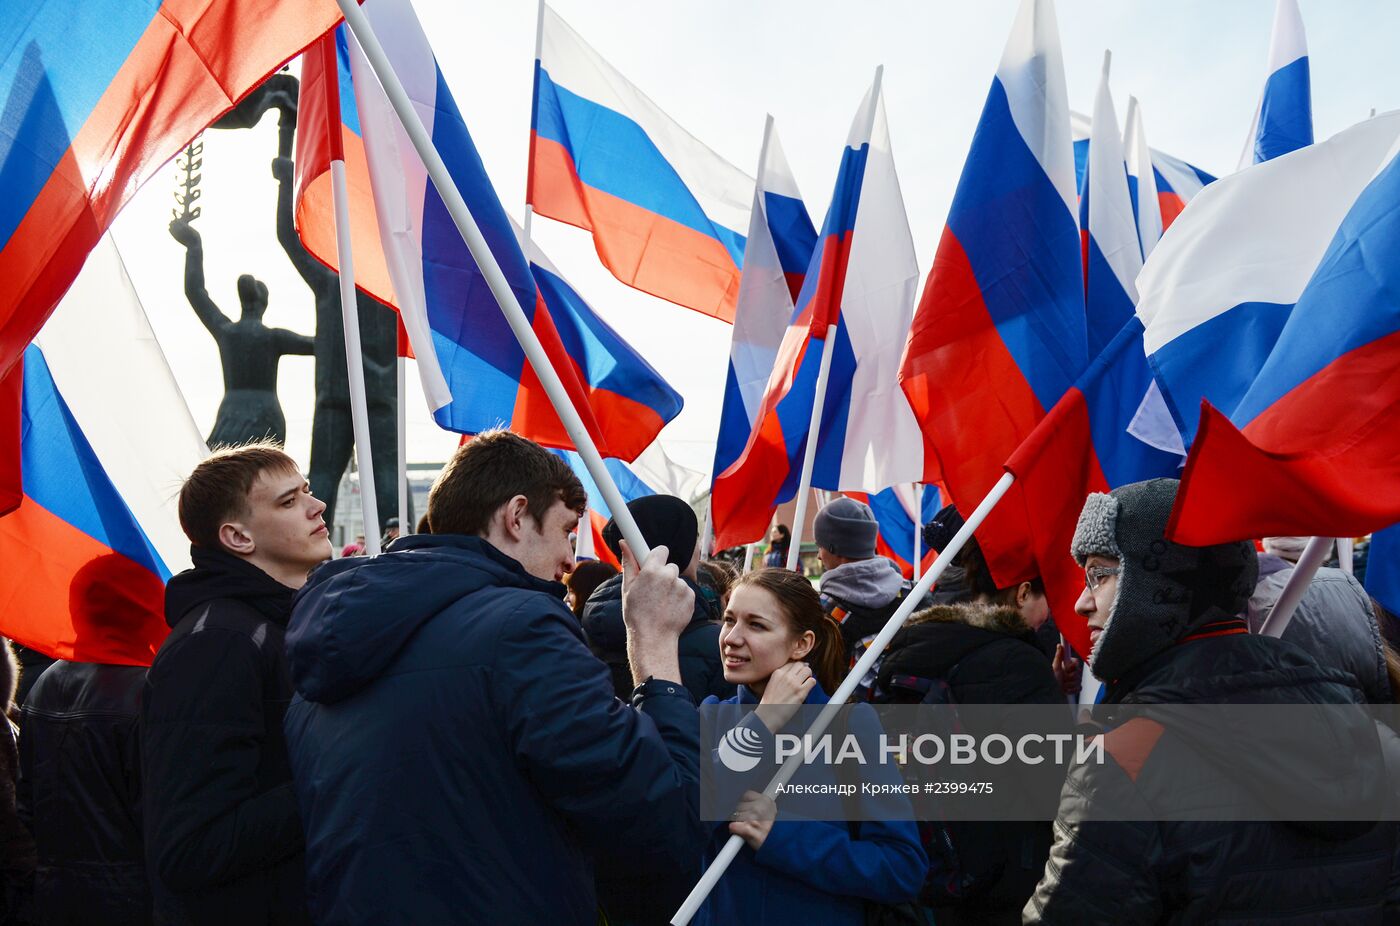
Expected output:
(813, 871)
(457, 751)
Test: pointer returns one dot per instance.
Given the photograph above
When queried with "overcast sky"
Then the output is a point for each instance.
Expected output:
(717, 67)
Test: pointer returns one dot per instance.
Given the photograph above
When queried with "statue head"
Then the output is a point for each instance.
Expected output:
(253, 294)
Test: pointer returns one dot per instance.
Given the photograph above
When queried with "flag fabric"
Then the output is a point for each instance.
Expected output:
(1085, 444)
(1283, 119)
(1231, 275)
(894, 512)
(1177, 182)
(1383, 570)
(1107, 228)
(1295, 433)
(779, 246)
(82, 580)
(474, 371)
(596, 518)
(666, 212)
(94, 98)
(1142, 180)
(96, 533)
(858, 292)
(313, 209)
(999, 334)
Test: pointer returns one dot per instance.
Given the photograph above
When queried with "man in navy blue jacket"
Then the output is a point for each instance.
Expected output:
(457, 751)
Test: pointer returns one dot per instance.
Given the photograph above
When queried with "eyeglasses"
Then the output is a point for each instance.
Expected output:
(1094, 575)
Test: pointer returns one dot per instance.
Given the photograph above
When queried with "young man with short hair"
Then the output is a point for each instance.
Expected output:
(223, 838)
(458, 751)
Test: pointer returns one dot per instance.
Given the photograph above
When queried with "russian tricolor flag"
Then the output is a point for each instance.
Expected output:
(894, 510)
(858, 292)
(1107, 227)
(999, 334)
(88, 549)
(1176, 181)
(1283, 120)
(94, 97)
(473, 370)
(1142, 180)
(666, 212)
(1085, 444)
(779, 246)
(1275, 304)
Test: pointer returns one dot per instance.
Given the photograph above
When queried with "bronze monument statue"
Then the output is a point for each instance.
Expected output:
(249, 350)
(332, 432)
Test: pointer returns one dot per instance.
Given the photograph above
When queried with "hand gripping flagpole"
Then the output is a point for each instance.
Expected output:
(877, 647)
(349, 308)
(814, 427)
(491, 272)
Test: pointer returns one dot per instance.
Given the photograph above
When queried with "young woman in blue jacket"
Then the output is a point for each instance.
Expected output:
(783, 651)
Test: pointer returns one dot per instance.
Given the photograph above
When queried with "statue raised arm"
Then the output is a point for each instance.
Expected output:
(216, 321)
(312, 270)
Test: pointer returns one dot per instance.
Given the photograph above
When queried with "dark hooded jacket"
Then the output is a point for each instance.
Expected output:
(459, 752)
(1175, 637)
(985, 656)
(223, 838)
(80, 794)
(702, 670)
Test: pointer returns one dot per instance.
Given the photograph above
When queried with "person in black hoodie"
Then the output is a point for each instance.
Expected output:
(985, 654)
(664, 519)
(1207, 794)
(224, 841)
(80, 769)
(630, 898)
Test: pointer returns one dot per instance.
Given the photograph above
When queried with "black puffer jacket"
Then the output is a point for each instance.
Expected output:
(985, 655)
(702, 670)
(223, 838)
(80, 794)
(1206, 872)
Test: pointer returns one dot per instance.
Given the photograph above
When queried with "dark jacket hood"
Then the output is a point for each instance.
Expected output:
(939, 637)
(1340, 748)
(602, 616)
(220, 575)
(355, 614)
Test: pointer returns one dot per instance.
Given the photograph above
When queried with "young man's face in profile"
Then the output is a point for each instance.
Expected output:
(285, 521)
(547, 549)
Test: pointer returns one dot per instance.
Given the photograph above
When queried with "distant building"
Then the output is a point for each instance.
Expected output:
(348, 520)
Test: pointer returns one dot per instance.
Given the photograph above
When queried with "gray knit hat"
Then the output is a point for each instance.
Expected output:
(847, 528)
(1165, 589)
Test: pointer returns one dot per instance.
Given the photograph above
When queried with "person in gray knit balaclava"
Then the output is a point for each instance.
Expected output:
(1152, 593)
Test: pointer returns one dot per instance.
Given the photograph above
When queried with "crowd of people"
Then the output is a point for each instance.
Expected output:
(472, 727)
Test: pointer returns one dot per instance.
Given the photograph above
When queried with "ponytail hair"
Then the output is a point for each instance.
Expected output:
(802, 607)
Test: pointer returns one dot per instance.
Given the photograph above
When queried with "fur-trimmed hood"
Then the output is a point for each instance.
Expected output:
(996, 618)
(986, 653)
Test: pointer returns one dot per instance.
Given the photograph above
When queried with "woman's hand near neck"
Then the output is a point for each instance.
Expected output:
(783, 693)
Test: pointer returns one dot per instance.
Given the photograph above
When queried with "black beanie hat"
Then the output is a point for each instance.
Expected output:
(663, 519)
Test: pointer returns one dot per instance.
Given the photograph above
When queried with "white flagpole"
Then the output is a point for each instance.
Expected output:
(1346, 555)
(1303, 572)
(707, 536)
(877, 647)
(359, 25)
(748, 557)
(530, 164)
(404, 527)
(918, 527)
(809, 455)
(350, 317)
